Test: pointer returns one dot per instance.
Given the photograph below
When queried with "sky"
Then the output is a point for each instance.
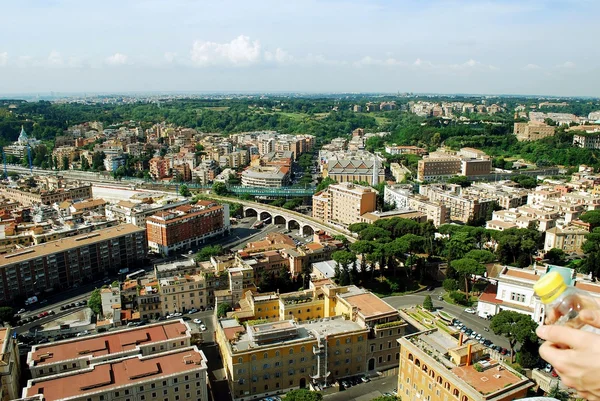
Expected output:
(534, 47)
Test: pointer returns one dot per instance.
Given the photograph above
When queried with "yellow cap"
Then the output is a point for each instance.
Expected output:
(549, 287)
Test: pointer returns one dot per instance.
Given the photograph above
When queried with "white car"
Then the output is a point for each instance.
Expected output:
(83, 333)
(471, 311)
(193, 310)
(197, 321)
(177, 314)
(202, 327)
(22, 310)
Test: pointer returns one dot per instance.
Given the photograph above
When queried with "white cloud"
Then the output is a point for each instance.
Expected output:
(170, 57)
(280, 56)
(241, 51)
(530, 67)
(566, 64)
(117, 59)
(3, 59)
(389, 62)
(54, 59)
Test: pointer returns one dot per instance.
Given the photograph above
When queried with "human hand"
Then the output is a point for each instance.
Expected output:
(575, 354)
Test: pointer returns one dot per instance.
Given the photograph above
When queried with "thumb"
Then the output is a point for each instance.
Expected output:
(591, 317)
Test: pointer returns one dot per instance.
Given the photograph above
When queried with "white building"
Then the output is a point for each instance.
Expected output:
(111, 300)
(513, 290)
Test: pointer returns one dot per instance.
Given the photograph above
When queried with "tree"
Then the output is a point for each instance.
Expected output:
(386, 398)
(65, 163)
(184, 190)
(592, 217)
(303, 394)
(466, 267)
(208, 252)
(555, 256)
(85, 165)
(450, 285)
(6, 314)
(95, 301)
(516, 327)
(222, 309)
(528, 356)
(326, 182)
(460, 180)
(428, 303)
(480, 255)
(219, 188)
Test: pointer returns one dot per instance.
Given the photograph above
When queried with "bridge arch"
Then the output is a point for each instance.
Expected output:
(278, 219)
(265, 215)
(307, 230)
(293, 224)
(250, 212)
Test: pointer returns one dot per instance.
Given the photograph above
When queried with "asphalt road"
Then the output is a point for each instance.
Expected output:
(471, 321)
(366, 391)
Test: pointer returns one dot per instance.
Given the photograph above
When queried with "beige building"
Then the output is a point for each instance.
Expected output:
(532, 131)
(344, 203)
(463, 206)
(403, 198)
(178, 374)
(182, 293)
(569, 239)
(32, 196)
(10, 369)
(436, 366)
(437, 167)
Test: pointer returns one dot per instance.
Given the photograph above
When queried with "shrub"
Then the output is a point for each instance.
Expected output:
(459, 297)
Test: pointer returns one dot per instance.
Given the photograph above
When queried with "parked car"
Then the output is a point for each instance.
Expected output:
(197, 321)
(202, 327)
(51, 312)
(473, 334)
(83, 333)
(22, 310)
(478, 337)
(193, 310)
(548, 368)
(365, 379)
(471, 311)
(504, 351)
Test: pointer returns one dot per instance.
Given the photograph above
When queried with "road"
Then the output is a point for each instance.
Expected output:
(471, 321)
(366, 391)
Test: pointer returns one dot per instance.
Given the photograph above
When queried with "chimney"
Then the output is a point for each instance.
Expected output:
(460, 339)
(469, 354)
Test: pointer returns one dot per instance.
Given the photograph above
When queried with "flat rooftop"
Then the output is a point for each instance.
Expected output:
(125, 372)
(488, 381)
(76, 241)
(304, 331)
(369, 304)
(105, 344)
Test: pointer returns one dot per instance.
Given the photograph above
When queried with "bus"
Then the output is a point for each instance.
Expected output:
(135, 274)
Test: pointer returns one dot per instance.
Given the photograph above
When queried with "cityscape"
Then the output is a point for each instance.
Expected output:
(255, 214)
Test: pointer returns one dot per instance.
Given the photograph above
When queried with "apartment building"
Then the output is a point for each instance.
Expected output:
(136, 213)
(31, 196)
(186, 226)
(533, 131)
(265, 177)
(568, 238)
(179, 374)
(437, 166)
(159, 167)
(437, 366)
(344, 203)
(587, 141)
(402, 197)
(404, 150)
(463, 206)
(72, 260)
(10, 369)
(76, 354)
(182, 293)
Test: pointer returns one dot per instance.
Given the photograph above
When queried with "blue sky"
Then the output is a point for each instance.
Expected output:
(443, 46)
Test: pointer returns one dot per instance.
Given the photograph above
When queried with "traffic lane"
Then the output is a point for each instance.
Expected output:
(375, 388)
(26, 328)
(471, 321)
(56, 306)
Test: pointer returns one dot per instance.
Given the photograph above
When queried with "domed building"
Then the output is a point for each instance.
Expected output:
(19, 148)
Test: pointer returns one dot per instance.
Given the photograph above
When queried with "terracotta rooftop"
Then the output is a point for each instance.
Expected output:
(489, 295)
(522, 274)
(591, 287)
(127, 372)
(370, 305)
(117, 341)
(488, 381)
(89, 204)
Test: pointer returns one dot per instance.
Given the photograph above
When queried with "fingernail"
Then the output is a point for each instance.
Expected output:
(541, 331)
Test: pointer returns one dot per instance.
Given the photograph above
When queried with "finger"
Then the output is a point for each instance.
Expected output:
(591, 317)
(559, 358)
(567, 336)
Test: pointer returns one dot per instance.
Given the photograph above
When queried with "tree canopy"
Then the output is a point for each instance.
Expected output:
(303, 395)
(95, 301)
(515, 327)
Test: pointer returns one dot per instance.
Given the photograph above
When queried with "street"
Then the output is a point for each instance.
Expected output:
(471, 321)
(366, 391)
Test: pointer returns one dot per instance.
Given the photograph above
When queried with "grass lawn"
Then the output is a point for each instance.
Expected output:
(447, 298)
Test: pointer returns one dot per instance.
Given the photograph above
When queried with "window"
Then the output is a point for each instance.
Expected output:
(337, 342)
(291, 351)
(240, 360)
(265, 355)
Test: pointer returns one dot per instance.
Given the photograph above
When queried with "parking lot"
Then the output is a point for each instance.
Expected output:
(376, 387)
(479, 337)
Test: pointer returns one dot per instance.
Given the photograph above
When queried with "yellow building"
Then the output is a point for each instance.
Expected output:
(344, 203)
(180, 294)
(532, 131)
(10, 368)
(435, 366)
(271, 358)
